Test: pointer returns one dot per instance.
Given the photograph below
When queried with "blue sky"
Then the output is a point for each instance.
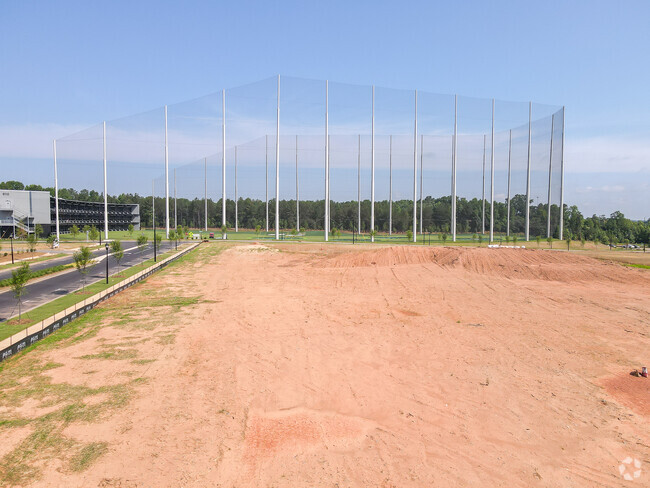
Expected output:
(70, 64)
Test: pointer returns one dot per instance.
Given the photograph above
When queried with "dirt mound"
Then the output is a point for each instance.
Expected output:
(502, 262)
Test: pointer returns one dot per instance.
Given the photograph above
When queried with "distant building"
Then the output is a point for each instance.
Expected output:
(25, 209)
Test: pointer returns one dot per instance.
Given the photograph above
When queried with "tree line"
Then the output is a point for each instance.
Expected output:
(436, 214)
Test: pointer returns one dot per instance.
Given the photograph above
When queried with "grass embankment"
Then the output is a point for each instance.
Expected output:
(39, 273)
(641, 266)
(44, 311)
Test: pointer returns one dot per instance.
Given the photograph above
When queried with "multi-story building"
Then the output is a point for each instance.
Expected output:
(25, 209)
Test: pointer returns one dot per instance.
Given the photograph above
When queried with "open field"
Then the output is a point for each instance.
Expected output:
(285, 365)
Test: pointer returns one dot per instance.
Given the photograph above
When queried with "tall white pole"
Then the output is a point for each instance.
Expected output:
(530, 131)
(175, 202)
(205, 194)
(236, 196)
(359, 186)
(390, 185)
(550, 180)
(329, 202)
(372, 169)
(267, 183)
(509, 178)
(483, 194)
(166, 179)
(277, 169)
(297, 191)
(415, 170)
(492, 179)
(56, 193)
(105, 187)
(421, 176)
(223, 157)
(453, 170)
(562, 181)
(327, 163)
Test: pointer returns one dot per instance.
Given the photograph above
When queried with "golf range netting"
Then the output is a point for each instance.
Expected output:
(382, 158)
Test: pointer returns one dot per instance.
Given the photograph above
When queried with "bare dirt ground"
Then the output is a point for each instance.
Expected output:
(323, 366)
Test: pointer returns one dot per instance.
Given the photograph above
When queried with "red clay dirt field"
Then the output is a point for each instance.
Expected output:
(295, 365)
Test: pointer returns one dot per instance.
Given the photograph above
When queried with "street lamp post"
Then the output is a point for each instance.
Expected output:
(154, 241)
(12, 249)
(106, 261)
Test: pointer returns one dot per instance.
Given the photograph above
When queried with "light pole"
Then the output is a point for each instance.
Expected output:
(106, 261)
(154, 240)
(12, 249)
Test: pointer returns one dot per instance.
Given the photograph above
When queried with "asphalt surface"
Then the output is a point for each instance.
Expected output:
(64, 258)
(49, 288)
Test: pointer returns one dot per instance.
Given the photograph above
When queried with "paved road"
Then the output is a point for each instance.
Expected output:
(64, 258)
(48, 288)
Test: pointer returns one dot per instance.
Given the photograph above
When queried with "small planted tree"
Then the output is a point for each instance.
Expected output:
(117, 251)
(507, 239)
(38, 231)
(258, 228)
(31, 242)
(514, 240)
(480, 239)
(141, 241)
(93, 233)
(157, 241)
(50, 240)
(84, 262)
(444, 237)
(538, 239)
(409, 235)
(474, 236)
(549, 240)
(130, 230)
(568, 243)
(74, 230)
(18, 283)
(582, 242)
(173, 236)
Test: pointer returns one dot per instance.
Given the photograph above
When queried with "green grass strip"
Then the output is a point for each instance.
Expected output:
(640, 266)
(31, 261)
(39, 273)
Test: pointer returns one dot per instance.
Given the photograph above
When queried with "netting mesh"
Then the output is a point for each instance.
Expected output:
(384, 173)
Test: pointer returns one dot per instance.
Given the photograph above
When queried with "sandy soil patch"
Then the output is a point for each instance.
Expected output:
(320, 365)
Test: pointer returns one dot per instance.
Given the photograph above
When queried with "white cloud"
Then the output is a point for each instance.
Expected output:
(607, 155)
(32, 141)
